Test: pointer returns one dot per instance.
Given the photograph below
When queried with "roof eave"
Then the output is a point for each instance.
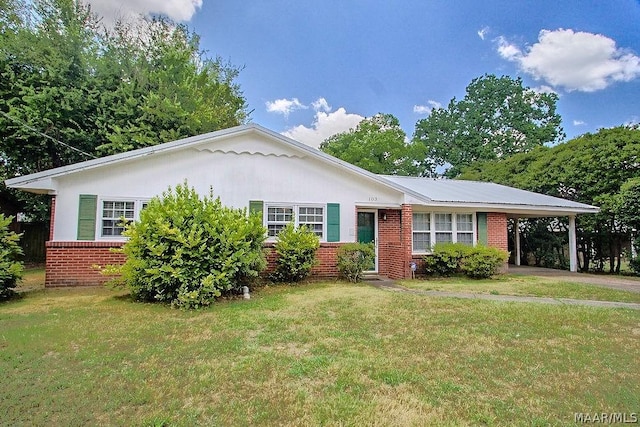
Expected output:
(522, 209)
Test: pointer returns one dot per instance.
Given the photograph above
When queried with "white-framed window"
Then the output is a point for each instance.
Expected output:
(279, 215)
(313, 218)
(115, 213)
(444, 227)
(430, 228)
(421, 232)
(464, 228)
(277, 218)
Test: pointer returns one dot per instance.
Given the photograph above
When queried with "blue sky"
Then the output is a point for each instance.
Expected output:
(315, 68)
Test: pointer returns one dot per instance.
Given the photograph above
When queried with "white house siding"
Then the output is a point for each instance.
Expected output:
(239, 169)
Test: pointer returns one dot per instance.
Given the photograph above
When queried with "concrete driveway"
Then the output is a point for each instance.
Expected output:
(609, 281)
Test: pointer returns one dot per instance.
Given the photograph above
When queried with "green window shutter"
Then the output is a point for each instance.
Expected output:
(256, 206)
(333, 222)
(87, 208)
(482, 228)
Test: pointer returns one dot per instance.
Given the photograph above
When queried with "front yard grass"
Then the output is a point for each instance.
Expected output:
(524, 286)
(319, 354)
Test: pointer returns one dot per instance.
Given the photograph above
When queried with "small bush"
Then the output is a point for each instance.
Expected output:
(354, 259)
(473, 261)
(188, 251)
(296, 250)
(10, 268)
(483, 262)
(445, 258)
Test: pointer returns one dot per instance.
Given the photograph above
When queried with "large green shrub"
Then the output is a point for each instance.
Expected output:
(188, 250)
(473, 261)
(296, 250)
(10, 268)
(354, 259)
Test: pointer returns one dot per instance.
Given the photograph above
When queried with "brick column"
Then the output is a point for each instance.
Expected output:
(497, 235)
(406, 238)
(52, 217)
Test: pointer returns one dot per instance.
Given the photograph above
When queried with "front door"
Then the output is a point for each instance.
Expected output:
(367, 232)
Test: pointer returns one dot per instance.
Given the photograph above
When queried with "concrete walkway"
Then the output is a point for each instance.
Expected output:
(608, 281)
(390, 285)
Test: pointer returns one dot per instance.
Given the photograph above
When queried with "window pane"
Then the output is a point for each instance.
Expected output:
(466, 238)
(443, 222)
(421, 242)
(421, 221)
(274, 229)
(311, 217)
(280, 214)
(464, 222)
(444, 237)
(114, 216)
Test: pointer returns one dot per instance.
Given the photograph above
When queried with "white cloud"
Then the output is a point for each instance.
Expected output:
(482, 33)
(426, 109)
(321, 104)
(285, 106)
(112, 10)
(324, 125)
(544, 89)
(574, 60)
(578, 123)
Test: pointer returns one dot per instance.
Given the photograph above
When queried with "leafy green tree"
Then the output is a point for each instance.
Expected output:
(627, 207)
(592, 169)
(10, 267)
(378, 144)
(71, 90)
(497, 118)
(163, 87)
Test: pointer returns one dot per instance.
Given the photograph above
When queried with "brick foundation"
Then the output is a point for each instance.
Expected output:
(327, 260)
(73, 263)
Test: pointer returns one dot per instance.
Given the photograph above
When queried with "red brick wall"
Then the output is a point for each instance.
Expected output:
(327, 260)
(73, 263)
(497, 230)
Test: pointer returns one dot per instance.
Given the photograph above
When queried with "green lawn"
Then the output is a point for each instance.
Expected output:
(524, 285)
(320, 354)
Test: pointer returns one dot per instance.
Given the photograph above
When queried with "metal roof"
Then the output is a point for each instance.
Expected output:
(449, 191)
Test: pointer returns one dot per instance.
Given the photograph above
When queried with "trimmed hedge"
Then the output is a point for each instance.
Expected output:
(478, 262)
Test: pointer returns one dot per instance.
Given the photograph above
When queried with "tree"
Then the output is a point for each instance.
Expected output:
(163, 86)
(10, 268)
(497, 118)
(71, 90)
(598, 169)
(378, 144)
